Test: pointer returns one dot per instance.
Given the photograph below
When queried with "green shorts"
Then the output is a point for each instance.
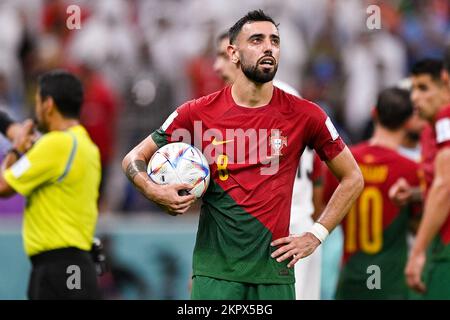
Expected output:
(206, 288)
(437, 280)
(359, 291)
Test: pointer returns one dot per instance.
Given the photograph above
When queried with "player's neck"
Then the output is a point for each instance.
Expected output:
(62, 124)
(248, 94)
(445, 103)
(386, 138)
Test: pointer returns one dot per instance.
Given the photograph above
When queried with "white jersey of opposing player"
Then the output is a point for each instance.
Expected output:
(307, 270)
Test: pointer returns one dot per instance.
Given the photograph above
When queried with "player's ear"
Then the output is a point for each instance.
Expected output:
(48, 105)
(233, 53)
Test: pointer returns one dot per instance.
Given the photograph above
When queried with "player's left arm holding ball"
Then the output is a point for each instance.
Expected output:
(135, 167)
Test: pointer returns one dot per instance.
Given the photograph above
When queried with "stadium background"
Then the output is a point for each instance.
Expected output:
(139, 59)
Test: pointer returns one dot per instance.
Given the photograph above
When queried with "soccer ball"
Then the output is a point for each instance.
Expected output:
(180, 162)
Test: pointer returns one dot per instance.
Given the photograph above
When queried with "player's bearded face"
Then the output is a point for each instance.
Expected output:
(259, 72)
(259, 51)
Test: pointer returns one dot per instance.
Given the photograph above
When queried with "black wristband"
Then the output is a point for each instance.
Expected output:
(5, 122)
(15, 151)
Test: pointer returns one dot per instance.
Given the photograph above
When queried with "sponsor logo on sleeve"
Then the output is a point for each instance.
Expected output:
(331, 129)
(443, 130)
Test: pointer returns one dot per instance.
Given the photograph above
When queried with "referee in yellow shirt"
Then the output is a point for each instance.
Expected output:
(59, 175)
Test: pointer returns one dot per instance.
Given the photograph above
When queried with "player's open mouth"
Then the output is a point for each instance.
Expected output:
(268, 62)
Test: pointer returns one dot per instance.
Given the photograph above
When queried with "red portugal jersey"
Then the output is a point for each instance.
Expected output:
(435, 138)
(373, 212)
(253, 155)
(375, 229)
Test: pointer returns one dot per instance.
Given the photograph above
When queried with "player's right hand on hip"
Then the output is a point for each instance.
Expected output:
(174, 198)
(294, 247)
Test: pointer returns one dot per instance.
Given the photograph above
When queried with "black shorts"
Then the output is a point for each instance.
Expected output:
(67, 273)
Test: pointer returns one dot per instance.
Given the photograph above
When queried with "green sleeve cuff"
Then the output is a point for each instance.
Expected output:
(160, 138)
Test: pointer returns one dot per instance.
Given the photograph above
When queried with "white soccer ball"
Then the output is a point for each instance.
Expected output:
(180, 162)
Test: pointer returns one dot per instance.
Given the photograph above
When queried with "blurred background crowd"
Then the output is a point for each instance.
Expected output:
(140, 59)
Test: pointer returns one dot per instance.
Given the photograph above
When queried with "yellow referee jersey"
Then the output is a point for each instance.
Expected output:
(60, 177)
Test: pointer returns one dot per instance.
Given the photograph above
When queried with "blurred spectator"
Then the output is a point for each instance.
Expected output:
(54, 17)
(109, 41)
(140, 58)
(425, 28)
(200, 69)
(150, 100)
(99, 117)
(11, 91)
(329, 55)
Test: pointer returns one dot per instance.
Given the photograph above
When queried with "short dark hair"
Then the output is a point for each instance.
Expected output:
(429, 66)
(65, 89)
(394, 107)
(252, 16)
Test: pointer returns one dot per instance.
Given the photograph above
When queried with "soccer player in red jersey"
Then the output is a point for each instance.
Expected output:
(375, 230)
(253, 135)
(431, 96)
(307, 190)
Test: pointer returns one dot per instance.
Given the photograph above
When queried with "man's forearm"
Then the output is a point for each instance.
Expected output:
(437, 204)
(134, 166)
(135, 169)
(437, 207)
(341, 201)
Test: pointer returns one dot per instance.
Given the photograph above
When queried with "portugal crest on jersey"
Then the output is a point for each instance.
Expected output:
(277, 142)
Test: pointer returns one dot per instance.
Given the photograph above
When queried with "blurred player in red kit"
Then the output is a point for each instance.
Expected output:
(431, 96)
(375, 230)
